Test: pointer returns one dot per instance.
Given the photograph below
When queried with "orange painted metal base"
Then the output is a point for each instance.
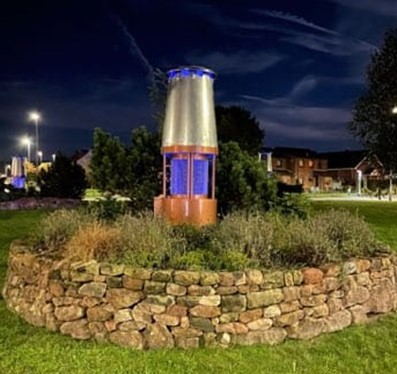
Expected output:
(181, 210)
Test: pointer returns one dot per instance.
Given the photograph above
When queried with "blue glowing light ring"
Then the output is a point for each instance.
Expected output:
(190, 71)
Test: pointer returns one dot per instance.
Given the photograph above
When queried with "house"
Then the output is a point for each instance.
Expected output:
(84, 160)
(347, 168)
(298, 166)
(323, 171)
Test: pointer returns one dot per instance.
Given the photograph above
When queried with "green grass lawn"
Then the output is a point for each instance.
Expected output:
(360, 349)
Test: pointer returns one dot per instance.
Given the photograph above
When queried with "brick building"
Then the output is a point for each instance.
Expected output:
(322, 171)
(298, 166)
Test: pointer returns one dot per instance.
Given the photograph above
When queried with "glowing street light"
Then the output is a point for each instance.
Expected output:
(40, 156)
(35, 117)
(53, 157)
(26, 141)
(394, 110)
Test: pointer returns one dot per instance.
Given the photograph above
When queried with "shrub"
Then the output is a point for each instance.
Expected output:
(146, 241)
(108, 209)
(292, 204)
(55, 229)
(63, 179)
(349, 232)
(93, 241)
(250, 234)
(192, 238)
(301, 243)
(193, 260)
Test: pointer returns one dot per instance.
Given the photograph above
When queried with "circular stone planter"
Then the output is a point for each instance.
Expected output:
(143, 308)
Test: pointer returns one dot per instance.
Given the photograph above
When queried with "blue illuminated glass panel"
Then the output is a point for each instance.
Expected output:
(18, 182)
(200, 177)
(178, 176)
(190, 72)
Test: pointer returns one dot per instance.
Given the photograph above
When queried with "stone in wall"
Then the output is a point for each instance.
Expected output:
(93, 289)
(132, 339)
(338, 321)
(69, 313)
(381, 299)
(122, 298)
(272, 336)
(306, 329)
(264, 298)
(77, 329)
(158, 336)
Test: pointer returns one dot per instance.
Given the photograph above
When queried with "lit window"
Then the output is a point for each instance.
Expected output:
(278, 163)
(311, 163)
(301, 163)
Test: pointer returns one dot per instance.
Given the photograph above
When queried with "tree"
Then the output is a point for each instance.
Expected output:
(63, 179)
(374, 121)
(144, 168)
(242, 181)
(134, 172)
(108, 163)
(237, 124)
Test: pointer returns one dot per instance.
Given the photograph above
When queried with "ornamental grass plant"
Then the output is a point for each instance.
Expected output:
(241, 240)
(95, 240)
(55, 229)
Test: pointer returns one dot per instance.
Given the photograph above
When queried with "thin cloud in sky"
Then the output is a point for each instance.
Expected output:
(331, 42)
(332, 45)
(381, 7)
(241, 62)
(304, 86)
(134, 48)
(295, 19)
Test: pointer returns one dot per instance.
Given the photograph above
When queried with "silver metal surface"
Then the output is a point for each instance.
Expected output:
(190, 114)
(17, 167)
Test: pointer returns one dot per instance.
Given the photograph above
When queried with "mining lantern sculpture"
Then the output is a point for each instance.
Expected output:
(189, 149)
(18, 172)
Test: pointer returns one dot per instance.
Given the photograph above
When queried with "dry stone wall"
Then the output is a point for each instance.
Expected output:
(144, 308)
(26, 203)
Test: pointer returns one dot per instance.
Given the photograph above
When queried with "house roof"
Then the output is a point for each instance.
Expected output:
(290, 151)
(344, 159)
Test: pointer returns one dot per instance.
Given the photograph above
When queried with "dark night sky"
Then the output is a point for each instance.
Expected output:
(297, 65)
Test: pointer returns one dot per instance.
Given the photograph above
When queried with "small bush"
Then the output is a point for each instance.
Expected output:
(108, 209)
(193, 238)
(300, 243)
(293, 204)
(349, 233)
(193, 260)
(146, 241)
(94, 241)
(250, 234)
(55, 229)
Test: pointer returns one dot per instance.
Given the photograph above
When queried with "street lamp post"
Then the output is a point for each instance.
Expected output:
(35, 117)
(359, 179)
(26, 141)
(40, 157)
